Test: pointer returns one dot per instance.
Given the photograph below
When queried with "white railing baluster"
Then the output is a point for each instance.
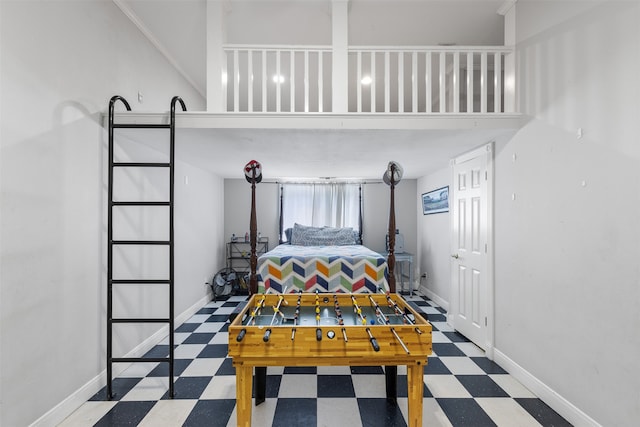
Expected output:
(373, 82)
(443, 82)
(497, 82)
(470, 108)
(428, 82)
(483, 82)
(400, 82)
(414, 82)
(320, 80)
(292, 81)
(236, 81)
(306, 81)
(278, 81)
(250, 81)
(264, 81)
(386, 82)
(359, 82)
(456, 84)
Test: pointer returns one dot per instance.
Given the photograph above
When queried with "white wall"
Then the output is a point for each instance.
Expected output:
(567, 282)
(376, 214)
(434, 242)
(375, 197)
(60, 63)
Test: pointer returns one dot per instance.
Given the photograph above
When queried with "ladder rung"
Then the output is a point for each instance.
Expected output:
(141, 203)
(141, 281)
(142, 164)
(140, 320)
(140, 126)
(140, 359)
(140, 242)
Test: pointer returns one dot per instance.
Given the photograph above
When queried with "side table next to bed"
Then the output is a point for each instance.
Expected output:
(403, 258)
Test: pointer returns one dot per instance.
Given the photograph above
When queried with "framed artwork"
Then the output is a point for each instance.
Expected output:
(435, 201)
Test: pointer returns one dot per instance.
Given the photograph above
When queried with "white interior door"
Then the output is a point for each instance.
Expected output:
(471, 275)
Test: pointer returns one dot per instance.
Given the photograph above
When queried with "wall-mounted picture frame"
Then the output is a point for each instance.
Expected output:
(435, 201)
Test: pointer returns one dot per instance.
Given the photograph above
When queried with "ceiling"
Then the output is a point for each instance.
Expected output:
(178, 29)
(313, 154)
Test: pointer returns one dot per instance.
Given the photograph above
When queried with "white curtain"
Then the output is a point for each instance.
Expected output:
(318, 205)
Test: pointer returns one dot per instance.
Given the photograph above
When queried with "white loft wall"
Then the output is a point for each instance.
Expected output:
(567, 282)
(237, 195)
(199, 229)
(281, 22)
(434, 241)
(60, 63)
(198, 194)
(380, 22)
(425, 23)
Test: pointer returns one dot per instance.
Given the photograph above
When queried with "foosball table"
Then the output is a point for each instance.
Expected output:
(323, 329)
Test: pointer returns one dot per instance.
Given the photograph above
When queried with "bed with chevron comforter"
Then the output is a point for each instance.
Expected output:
(348, 268)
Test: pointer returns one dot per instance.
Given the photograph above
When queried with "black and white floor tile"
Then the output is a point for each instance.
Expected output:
(462, 387)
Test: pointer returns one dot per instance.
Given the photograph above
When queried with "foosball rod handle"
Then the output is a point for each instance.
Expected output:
(267, 335)
(241, 335)
(374, 344)
(318, 334)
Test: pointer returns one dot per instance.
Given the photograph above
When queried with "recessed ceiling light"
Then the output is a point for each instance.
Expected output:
(278, 78)
(366, 80)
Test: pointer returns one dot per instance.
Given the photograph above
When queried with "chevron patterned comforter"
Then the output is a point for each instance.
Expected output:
(350, 268)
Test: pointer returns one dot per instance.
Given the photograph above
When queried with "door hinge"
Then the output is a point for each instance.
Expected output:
(485, 248)
(486, 175)
(485, 321)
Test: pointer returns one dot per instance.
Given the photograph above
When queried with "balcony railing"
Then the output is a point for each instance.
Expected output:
(421, 80)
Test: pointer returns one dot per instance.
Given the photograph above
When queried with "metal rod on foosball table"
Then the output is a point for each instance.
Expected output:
(276, 310)
(254, 313)
(378, 310)
(363, 318)
(406, 318)
(296, 316)
(339, 315)
(318, 330)
(358, 310)
(400, 340)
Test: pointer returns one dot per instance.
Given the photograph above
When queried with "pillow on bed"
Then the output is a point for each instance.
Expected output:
(304, 235)
(287, 235)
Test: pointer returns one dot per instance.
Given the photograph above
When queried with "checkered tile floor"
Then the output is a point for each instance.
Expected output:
(462, 387)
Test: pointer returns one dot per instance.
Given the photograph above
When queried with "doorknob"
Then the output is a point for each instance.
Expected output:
(456, 256)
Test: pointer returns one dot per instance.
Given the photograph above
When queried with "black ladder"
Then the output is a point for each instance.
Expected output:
(111, 243)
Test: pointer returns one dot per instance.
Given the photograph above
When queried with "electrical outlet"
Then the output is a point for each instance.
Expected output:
(423, 276)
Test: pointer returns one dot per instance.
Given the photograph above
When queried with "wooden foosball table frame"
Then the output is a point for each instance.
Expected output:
(382, 330)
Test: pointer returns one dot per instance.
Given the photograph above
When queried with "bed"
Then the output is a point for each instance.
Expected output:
(322, 258)
(347, 268)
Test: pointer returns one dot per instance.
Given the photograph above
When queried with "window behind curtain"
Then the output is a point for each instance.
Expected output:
(318, 205)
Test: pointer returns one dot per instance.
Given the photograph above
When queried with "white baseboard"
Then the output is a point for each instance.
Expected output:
(65, 408)
(558, 403)
(433, 297)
